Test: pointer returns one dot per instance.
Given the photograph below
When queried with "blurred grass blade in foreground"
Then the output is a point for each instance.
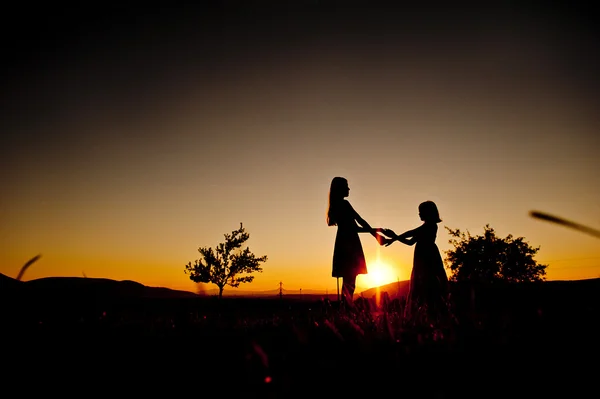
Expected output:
(26, 265)
(564, 222)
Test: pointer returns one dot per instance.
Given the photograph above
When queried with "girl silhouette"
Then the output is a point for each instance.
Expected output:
(348, 256)
(428, 281)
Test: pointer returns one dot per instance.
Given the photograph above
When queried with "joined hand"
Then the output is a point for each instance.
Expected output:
(382, 240)
(389, 233)
(384, 236)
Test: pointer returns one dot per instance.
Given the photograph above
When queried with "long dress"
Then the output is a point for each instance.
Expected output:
(348, 256)
(428, 280)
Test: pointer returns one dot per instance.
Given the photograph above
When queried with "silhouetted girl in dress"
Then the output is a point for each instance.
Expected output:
(348, 256)
(428, 280)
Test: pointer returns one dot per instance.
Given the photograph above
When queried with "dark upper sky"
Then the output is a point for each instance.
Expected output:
(56, 56)
(65, 62)
(217, 34)
(149, 39)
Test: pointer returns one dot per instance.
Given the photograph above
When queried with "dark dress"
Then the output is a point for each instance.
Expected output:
(428, 280)
(348, 255)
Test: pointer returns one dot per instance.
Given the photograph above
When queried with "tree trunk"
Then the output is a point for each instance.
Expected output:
(220, 291)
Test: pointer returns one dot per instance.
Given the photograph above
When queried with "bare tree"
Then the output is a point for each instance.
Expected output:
(227, 264)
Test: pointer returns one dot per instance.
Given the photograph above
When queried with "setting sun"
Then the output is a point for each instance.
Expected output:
(380, 273)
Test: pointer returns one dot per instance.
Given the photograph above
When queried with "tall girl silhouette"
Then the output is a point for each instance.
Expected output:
(348, 256)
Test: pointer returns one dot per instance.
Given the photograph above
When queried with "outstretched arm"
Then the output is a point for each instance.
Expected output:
(408, 237)
(408, 234)
(407, 241)
(364, 227)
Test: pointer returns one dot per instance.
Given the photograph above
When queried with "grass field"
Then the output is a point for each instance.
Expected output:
(514, 340)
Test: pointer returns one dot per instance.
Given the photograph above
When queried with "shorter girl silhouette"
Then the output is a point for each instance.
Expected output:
(428, 281)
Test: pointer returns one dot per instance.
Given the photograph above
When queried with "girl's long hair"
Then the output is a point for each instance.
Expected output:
(336, 194)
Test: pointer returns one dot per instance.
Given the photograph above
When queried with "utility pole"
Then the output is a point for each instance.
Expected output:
(280, 290)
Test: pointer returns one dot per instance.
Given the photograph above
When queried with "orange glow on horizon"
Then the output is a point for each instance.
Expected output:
(380, 273)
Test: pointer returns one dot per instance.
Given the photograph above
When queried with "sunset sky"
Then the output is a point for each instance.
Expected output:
(131, 138)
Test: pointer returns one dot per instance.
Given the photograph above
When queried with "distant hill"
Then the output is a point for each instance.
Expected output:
(94, 289)
(401, 288)
(83, 287)
(397, 289)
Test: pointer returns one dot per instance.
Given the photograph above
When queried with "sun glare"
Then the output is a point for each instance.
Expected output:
(380, 274)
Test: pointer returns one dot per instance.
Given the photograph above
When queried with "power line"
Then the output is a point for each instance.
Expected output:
(574, 267)
(564, 260)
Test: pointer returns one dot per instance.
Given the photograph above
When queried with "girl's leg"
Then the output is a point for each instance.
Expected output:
(348, 287)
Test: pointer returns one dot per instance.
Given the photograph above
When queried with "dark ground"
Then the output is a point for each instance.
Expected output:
(511, 340)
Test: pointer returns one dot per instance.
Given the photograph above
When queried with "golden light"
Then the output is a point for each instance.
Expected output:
(380, 273)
